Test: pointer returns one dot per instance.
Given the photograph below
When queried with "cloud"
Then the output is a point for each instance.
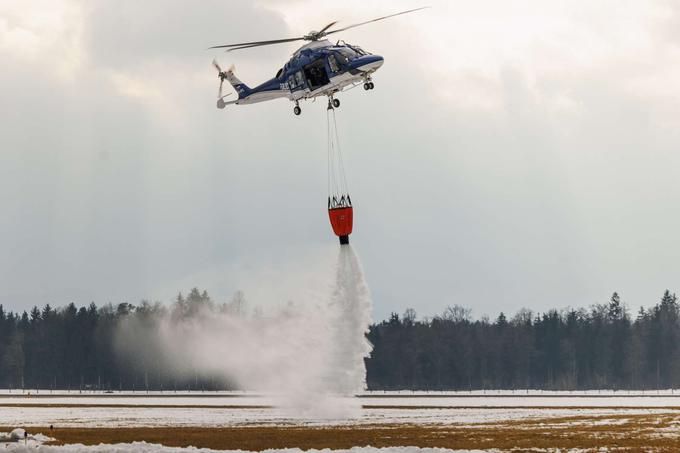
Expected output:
(47, 35)
(128, 33)
(511, 154)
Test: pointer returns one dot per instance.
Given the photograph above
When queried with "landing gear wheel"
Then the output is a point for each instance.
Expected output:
(297, 110)
(367, 86)
(371, 85)
(336, 103)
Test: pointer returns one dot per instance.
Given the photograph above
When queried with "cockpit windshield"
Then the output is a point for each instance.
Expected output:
(346, 54)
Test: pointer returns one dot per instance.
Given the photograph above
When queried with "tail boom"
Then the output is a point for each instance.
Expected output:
(241, 88)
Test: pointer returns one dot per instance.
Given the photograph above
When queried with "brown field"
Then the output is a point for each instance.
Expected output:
(641, 432)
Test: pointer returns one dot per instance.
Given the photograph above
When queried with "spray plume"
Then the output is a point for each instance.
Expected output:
(310, 353)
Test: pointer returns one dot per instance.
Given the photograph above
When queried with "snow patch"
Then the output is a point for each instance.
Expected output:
(18, 437)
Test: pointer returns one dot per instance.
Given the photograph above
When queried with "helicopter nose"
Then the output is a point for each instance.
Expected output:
(368, 62)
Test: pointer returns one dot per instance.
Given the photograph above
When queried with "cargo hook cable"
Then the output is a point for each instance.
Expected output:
(337, 180)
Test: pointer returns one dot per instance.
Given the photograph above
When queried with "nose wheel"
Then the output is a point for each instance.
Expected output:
(336, 103)
(368, 86)
(297, 110)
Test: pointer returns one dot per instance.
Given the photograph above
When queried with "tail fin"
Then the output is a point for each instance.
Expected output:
(241, 88)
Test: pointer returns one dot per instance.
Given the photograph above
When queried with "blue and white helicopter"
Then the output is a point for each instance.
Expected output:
(318, 68)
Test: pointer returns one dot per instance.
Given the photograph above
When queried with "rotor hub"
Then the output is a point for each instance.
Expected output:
(313, 35)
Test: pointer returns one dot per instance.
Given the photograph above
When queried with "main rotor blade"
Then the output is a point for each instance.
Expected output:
(256, 45)
(327, 27)
(375, 20)
(243, 45)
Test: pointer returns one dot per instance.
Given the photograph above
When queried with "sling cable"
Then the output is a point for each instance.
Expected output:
(339, 203)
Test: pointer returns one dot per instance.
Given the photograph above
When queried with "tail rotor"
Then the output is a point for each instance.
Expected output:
(221, 75)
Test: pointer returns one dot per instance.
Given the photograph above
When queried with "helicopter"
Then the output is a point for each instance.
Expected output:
(318, 68)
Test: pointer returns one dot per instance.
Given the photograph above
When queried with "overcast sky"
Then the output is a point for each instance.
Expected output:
(513, 154)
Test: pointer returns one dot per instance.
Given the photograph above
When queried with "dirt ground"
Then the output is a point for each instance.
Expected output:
(648, 432)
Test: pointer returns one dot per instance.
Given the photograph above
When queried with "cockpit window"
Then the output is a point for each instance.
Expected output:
(278, 74)
(347, 54)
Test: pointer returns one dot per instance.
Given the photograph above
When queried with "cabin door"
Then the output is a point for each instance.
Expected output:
(316, 74)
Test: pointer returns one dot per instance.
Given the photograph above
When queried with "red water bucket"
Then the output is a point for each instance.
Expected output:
(341, 221)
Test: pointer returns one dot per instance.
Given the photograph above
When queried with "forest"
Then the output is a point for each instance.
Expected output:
(603, 346)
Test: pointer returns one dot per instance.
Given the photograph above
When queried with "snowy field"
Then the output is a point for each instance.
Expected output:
(229, 400)
(76, 409)
(144, 417)
(594, 419)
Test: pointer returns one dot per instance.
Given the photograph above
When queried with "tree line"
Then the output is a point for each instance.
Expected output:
(600, 347)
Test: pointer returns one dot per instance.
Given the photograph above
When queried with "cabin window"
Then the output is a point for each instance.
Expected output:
(316, 74)
(333, 63)
(295, 81)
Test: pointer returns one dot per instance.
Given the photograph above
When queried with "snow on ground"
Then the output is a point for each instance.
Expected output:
(211, 417)
(141, 400)
(496, 398)
(18, 436)
(533, 398)
(248, 409)
(238, 408)
(374, 393)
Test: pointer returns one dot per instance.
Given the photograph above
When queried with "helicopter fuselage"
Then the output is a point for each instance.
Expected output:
(316, 69)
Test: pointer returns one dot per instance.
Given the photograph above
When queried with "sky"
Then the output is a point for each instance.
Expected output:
(513, 154)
